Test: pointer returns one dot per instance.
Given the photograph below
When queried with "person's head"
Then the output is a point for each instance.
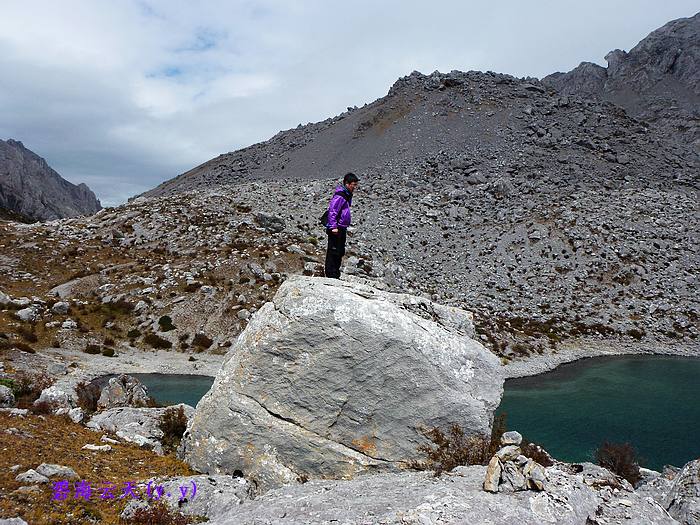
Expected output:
(350, 181)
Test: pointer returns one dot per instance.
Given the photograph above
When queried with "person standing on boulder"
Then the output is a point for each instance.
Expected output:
(337, 223)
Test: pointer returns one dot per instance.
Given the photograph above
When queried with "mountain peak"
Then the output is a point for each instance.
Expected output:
(30, 187)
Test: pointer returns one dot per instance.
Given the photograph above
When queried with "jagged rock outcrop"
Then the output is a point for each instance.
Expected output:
(28, 186)
(683, 498)
(123, 390)
(136, 425)
(658, 80)
(575, 495)
(332, 379)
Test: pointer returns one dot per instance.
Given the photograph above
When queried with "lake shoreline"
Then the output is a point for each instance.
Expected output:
(569, 352)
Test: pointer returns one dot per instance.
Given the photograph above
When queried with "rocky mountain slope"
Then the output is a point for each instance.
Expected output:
(658, 80)
(551, 215)
(554, 218)
(30, 187)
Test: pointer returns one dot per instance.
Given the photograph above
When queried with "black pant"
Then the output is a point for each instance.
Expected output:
(335, 252)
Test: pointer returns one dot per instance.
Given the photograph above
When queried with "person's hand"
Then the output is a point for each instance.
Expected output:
(335, 230)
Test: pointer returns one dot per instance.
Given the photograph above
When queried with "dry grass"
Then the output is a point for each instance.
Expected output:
(620, 458)
(56, 439)
(455, 447)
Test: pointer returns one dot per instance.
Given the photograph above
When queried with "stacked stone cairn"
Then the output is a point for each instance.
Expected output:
(510, 471)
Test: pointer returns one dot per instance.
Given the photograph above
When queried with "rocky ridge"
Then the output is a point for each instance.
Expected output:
(658, 80)
(29, 188)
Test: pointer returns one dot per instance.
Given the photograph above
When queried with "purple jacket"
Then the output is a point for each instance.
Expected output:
(339, 208)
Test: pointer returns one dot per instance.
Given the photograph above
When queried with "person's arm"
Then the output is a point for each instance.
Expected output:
(334, 208)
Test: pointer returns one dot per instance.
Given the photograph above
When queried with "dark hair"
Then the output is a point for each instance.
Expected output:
(350, 177)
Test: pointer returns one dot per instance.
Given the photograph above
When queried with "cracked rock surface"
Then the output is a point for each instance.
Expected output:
(332, 379)
(456, 498)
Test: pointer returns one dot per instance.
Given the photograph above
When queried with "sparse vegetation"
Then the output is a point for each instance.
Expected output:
(166, 323)
(173, 424)
(24, 347)
(201, 341)
(536, 452)
(88, 394)
(456, 448)
(620, 458)
(27, 334)
(92, 349)
(156, 341)
(27, 387)
(158, 513)
(56, 439)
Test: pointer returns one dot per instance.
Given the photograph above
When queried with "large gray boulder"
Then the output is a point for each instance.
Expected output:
(683, 499)
(418, 498)
(332, 379)
(135, 425)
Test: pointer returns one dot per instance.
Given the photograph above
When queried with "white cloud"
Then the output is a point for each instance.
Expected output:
(123, 95)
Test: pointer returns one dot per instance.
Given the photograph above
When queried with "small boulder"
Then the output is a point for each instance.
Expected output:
(123, 390)
(7, 398)
(512, 478)
(31, 476)
(509, 452)
(511, 438)
(97, 448)
(135, 425)
(76, 414)
(493, 475)
(269, 222)
(13, 521)
(535, 475)
(60, 308)
(56, 397)
(28, 314)
(51, 470)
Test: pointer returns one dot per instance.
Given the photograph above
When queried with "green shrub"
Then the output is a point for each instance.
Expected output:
(156, 341)
(108, 351)
(133, 333)
(92, 349)
(202, 341)
(166, 323)
(620, 458)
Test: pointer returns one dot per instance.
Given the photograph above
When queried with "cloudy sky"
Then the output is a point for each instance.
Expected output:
(124, 94)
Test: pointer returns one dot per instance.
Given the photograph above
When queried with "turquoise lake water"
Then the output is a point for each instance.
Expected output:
(170, 389)
(653, 402)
